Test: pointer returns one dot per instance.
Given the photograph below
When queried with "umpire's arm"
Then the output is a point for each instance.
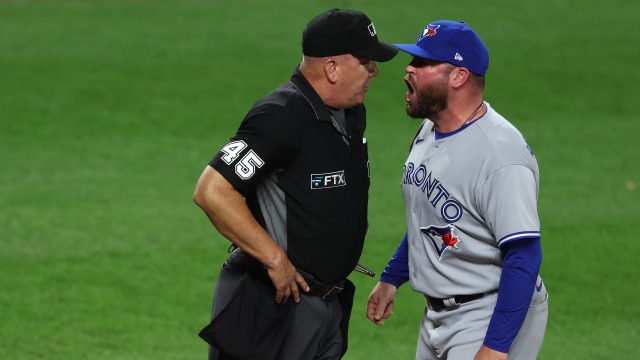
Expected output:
(229, 213)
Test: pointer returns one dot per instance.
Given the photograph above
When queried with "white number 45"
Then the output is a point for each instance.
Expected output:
(247, 165)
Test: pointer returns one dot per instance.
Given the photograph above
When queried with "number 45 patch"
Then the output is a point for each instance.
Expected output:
(246, 167)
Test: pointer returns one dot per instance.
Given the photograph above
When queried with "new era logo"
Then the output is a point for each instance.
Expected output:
(458, 57)
(328, 180)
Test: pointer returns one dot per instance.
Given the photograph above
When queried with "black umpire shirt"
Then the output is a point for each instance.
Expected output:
(305, 176)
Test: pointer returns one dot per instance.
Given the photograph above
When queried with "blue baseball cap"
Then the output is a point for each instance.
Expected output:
(453, 42)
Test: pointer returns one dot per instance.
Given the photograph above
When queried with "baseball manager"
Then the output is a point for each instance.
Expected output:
(470, 187)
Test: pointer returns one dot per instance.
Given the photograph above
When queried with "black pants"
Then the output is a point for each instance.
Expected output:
(248, 324)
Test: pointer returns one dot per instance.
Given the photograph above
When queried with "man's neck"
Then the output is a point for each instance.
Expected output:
(456, 116)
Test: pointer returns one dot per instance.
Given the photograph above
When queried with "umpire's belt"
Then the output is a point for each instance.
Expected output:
(316, 288)
(453, 302)
(239, 262)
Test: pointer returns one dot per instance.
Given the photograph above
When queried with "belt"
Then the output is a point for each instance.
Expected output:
(316, 288)
(325, 291)
(240, 262)
(454, 302)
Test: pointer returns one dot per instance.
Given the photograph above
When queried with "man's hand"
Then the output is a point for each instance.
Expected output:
(488, 354)
(286, 279)
(380, 304)
(229, 213)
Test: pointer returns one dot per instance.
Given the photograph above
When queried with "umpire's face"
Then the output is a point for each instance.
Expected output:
(353, 76)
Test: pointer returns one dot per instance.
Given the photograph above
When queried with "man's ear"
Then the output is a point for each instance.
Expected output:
(331, 70)
(458, 77)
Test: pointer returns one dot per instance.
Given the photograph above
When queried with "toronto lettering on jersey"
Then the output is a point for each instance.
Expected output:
(436, 193)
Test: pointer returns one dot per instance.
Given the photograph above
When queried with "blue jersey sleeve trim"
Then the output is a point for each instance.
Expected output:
(396, 272)
(520, 268)
(532, 234)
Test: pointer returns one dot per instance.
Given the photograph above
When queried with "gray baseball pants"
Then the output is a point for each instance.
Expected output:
(457, 334)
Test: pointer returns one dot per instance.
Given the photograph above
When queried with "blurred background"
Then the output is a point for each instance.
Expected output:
(110, 110)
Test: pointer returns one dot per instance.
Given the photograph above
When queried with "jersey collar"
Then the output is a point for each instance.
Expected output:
(302, 85)
(441, 135)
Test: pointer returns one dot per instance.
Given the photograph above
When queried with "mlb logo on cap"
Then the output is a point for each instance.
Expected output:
(453, 42)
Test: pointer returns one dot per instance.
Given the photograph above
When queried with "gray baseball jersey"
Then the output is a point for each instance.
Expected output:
(466, 193)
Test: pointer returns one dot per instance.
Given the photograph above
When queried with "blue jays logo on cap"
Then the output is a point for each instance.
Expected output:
(430, 30)
(452, 42)
(442, 237)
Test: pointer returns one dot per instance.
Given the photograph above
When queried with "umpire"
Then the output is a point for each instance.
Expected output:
(290, 191)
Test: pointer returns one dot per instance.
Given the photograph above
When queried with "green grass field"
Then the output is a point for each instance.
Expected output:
(109, 111)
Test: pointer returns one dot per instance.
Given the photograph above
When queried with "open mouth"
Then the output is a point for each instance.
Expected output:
(410, 89)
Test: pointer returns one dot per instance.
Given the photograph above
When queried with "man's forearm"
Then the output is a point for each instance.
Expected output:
(229, 213)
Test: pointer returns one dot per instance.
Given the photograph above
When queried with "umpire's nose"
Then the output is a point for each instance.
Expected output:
(372, 67)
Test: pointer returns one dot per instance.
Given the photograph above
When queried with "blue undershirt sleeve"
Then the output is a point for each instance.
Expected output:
(396, 272)
(520, 267)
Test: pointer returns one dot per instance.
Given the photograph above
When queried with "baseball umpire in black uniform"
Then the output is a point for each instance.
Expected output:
(290, 191)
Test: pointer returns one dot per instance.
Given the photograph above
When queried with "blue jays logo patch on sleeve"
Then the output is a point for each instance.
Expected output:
(328, 180)
(441, 237)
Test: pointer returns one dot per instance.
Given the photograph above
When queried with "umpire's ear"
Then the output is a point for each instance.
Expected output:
(331, 69)
(458, 77)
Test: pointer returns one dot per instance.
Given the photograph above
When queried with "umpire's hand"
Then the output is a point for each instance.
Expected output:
(229, 213)
(286, 279)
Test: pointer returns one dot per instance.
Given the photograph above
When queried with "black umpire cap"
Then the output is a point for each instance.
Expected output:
(338, 32)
